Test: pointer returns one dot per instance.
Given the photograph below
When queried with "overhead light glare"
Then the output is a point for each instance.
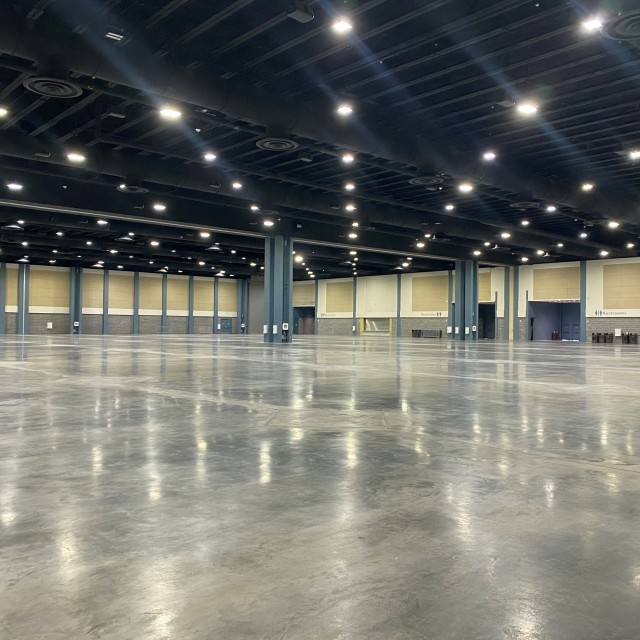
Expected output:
(540, 252)
(604, 254)
(59, 233)
(158, 206)
(465, 187)
(634, 154)
(342, 25)
(524, 259)
(592, 24)
(4, 112)
(551, 209)
(477, 252)
(420, 245)
(524, 223)
(630, 245)
(209, 156)
(560, 245)
(14, 186)
(405, 264)
(154, 243)
(102, 222)
(255, 207)
(583, 235)
(527, 108)
(74, 156)
(449, 207)
(170, 113)
(349, 186)
(505, 235)
(588, 186)
(268, 223)
(489, 156)
(205, 234)
(236, 185)
(353, 235)
(613, 224)
(348, 158)
(350, 207)
(344, 109)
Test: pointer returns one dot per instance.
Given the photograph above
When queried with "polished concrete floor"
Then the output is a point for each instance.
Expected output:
(216, 488)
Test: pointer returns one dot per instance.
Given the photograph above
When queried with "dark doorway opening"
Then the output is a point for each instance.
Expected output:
(559, 318)
(487, 321)
(304, 320)
(226, 325)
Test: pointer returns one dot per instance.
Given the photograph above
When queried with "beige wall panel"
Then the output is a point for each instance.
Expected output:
(151, 293)
(92, 287)
(203, 295)
(430, 293)
(120, 291)
(49, 287)
(178, 294)
(556, 284)
(12, 287)
(227, 296)
(484, 287)
(339, 297)
(304, 294)
(621, 286)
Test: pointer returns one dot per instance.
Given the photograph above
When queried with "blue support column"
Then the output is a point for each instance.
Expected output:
(136, 303)
(216, 328)
(516, 322)
(471, 300)
(507, 301)
(3, 298)
(399, 306)
(191, 303)
(278, 289)
(450, 318)
(458, 315)
(105, 303)
(243, 306)
(315, 322)
(354, 326)
(23, 299)
(75, 300)
(583, 301)
(527, 320)
(163, 318)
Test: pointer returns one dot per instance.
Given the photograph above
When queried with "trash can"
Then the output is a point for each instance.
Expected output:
(555, 335)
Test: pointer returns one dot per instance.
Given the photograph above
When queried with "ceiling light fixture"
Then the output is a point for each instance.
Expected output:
(551, 209)
(420, 245)
(613, 224)
(268, 223)
(170, 113)
(102, 222)
(299, 258)
(14, 186)
(74, 156)
(201, 263)
(630, 245)
(353, 235)
(154, 243)
(540, 252)
(350, 207)
(634, 154)
(405, 264)
(89, 243)
(560, 245)
(527, 108)
(348, 158)
(158, 206)
(4, 112)
(355, 224)
(59, 233)
(477, 252)
(604, 254)
(487, 244)
(489, 156)
(583, 235)
(255, 207)
(465, 187)
(524, 223)
(587, 186)
(209, 156)
(592, 24)
(205, 234)
(344, 109)
(113, 251)
(349, 186)
(236, 185)
(449, 207)
(505, 235)
(342, 25)
(524, 259)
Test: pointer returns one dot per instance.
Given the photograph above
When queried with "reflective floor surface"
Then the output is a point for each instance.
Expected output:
(217, 488)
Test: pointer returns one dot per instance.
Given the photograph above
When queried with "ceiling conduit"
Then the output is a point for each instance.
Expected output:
(136, 68)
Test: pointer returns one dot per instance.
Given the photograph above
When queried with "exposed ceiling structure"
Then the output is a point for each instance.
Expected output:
(410, 133)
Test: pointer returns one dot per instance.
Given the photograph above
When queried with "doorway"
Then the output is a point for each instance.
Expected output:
(487, 321)
(549, 318)
(304, 320)
(226, 325)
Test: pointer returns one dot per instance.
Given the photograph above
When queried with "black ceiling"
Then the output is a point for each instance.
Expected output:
(433, 86)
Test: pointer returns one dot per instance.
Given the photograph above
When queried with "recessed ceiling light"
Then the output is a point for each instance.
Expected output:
(505, 235)
(613, 224)
(114, 251)
(604, 254)
(594, 23)
(427, 235)
(52, 261)
(355, 259)
(344, 109)
(489, 156)
(353, 253)
(353, 235)
(420, 245)
(350, 207)
(355, 224)
(524, 223)
(150, 261)
(59, 233)
(587, 186)
(89, 243)
(299, 258)
(201, 263)
(55, 251)
(236, 185)
(630, 245)
(131, 234)
(154, 243)
(634, 154)
(477, 252)
(120, 266)
(524, 259)
(348, 158)
(350, 186)
(449, 207)
(540, 252)
(102, 222)
(583, 235)
(20, 221)
(24, 244)
(527, 108)
(487, 244)
(405, 264)
(4, 112)
(268, 223)
(209, 156)
(14, 186)
(342, 25)
(560, 245)
(158, 206)
(465, 187)
(205, 234)
(551, 209)
(76, 157)
(253, 264)
(173, 251)
(255, 207)
(170, 113)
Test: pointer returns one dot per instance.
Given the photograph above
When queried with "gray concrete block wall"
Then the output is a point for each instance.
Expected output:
(335, 326)
(92, 324)
(522, 324)
(609, 325)
(407, 325)
(177, 324)
(202, 326)
(500, 329)
(149, 324)
(11, 321)
(38, 323)
(120, 325)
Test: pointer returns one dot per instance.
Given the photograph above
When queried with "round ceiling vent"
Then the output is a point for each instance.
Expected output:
(625, 26)
(273, 143)
(426, 181)
(525, 205)
(52, 87)
(131, 188)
